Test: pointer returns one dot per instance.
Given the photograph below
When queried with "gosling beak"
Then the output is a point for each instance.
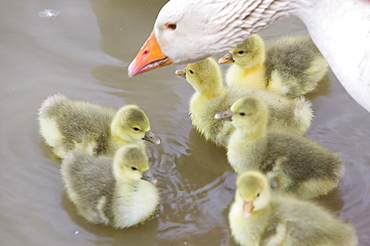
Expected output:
(226, 115)
(228, 58)
(181, 72)
(151, 137)
(247, 209)
(149, 57)
(148, 176)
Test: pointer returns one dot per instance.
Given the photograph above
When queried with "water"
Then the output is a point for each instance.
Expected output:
(82, 49)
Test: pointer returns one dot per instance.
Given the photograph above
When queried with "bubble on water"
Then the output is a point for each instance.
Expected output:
(48, 13)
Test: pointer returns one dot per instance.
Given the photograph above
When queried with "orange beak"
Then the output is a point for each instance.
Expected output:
(247, 209)
(228, 58)
(149, 57)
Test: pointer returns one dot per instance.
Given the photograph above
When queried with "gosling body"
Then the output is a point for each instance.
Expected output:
(211, 97)
(291, 66)
(111, 191)
(67, 124)
(292, 163)
(259, 217)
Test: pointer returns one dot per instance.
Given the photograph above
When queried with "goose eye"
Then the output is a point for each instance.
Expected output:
(242, 113)
(241, 52)
(258, 194)
(171, 26)
(136, 129)
(134, 168)
(191, 71)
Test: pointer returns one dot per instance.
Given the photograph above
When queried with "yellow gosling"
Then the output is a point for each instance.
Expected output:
(292, 163)
(291, 66)
(117, 191)
(67, 124)
(259, 217)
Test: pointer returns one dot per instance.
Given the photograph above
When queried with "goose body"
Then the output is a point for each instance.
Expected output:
(67, 124)
(210, 96)
(291, 66)
(117, 191)
(259, 217)
(293, 164)
(189, 31)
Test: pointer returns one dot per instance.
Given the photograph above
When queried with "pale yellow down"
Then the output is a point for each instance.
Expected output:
(67, 124)
(248, 70)
(290, 66)
(258, 217)
(117, 191)
(293, 164)
(212, 97)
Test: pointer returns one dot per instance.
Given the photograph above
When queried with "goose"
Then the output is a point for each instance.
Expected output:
(67, 124)
(260, 217)
(117, 191)
(211, 96)
(294, 164)
(189, 31)
(291, 66)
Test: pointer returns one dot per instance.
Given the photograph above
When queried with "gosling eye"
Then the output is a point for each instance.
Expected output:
(242, 113)
(134, 168)
(191, 71)
(136, 129)
(241, 52)
(171, 26)
(258, 194)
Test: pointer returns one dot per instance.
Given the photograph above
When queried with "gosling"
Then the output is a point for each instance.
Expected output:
(292, 163)
(67, 124)
(291, 66)
(259, 217)
(117, 191)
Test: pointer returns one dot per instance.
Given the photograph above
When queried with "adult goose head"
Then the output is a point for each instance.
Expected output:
(191, 30)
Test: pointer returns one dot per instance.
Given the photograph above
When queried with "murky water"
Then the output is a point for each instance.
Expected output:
(82, 49)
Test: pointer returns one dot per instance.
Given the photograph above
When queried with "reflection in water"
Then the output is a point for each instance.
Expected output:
(83, 53)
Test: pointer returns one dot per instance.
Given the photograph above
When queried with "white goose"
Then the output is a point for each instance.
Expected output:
(191, 30)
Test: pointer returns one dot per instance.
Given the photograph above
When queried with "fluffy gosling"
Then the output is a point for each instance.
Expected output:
(292, 163)
(67, 124)
(291, 66)
(259, 217)
(118, 192)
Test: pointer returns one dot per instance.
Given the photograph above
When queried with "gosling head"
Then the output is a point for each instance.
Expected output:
(253, 192)
(205, 76)
(247, 113)
(132, 124)
(247, 54)
(131, 163)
